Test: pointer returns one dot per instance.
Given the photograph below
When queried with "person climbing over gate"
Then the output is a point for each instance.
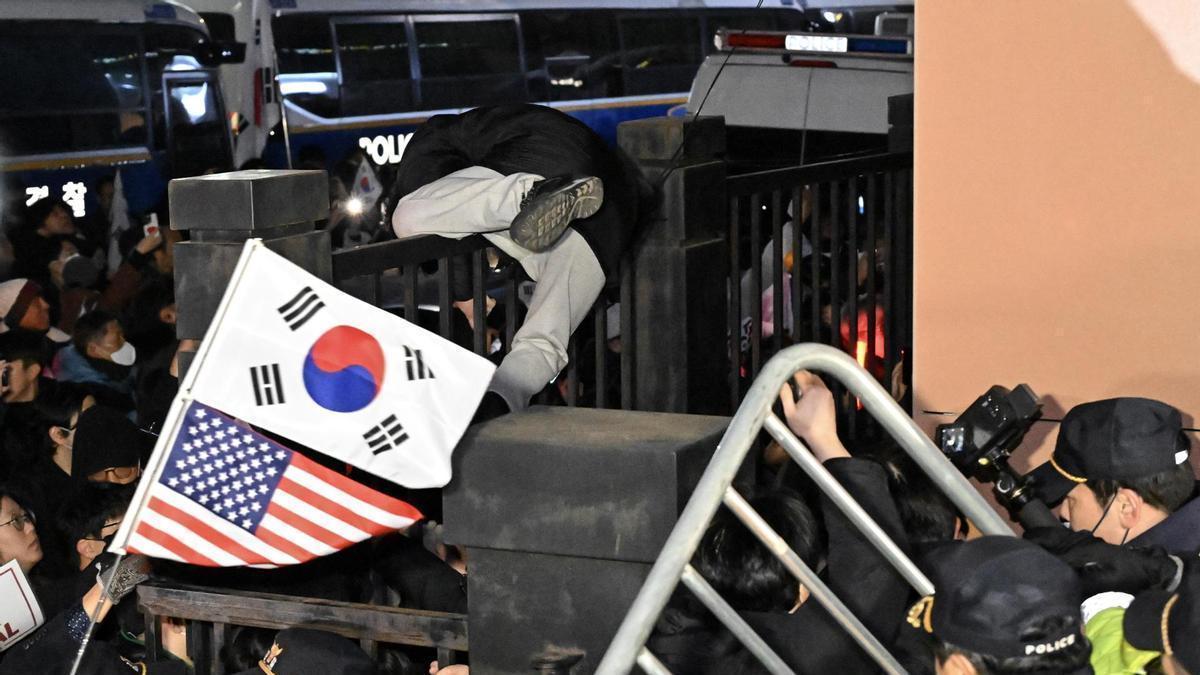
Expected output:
(544, 189)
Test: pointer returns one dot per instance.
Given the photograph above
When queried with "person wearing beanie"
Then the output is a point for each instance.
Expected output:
(108, 447)
(303, 651)
(23, 306)
(1121, 471)
(1003, 605)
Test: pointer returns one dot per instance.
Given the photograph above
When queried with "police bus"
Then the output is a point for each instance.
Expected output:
(88, 89)
(362, 74)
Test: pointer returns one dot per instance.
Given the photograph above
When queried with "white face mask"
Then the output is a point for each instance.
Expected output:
(125, 356)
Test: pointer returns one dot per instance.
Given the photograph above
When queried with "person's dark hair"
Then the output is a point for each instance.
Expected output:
(56, 410)
(36, 213)
(26, 346)
(90, 327)
(927, 514)
(1068, 659)
(93, 505)
(246, 646)
(17, 495)
(1166, 491)
(742, 570)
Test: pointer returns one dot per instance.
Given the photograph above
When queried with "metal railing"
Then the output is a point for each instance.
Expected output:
(391, 275)
(849, 281)
(673, 564)
(212, 613)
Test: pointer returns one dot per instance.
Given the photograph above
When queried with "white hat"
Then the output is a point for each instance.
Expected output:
(15, 296)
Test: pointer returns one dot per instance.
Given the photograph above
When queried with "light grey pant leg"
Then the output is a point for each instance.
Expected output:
(469, 201)
(568, 280)
(568, 277)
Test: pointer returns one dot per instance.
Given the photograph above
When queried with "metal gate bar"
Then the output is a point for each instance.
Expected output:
(628, 645)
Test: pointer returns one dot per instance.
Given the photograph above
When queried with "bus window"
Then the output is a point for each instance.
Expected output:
(304, 44)
(221, 27)
(376, 74)
(572, 55)
(469, 62)
(307, 67)
(661, 53)
(81, 94)
(168, 49)
(195, 124)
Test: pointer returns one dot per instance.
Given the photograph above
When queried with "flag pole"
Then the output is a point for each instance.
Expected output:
(104, 597)
(158, 459)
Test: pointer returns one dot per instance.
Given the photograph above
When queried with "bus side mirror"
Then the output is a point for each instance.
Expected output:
(219, 52)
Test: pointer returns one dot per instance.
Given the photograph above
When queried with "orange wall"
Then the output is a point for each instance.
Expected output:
(1057, 205)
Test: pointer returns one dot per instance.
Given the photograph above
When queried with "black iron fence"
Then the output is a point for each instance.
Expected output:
(818, 253)
(419, 279)
(822, 253)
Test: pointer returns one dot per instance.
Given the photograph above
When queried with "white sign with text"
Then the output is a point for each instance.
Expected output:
(20, 614)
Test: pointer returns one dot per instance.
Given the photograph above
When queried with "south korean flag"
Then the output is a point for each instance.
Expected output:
(292, 354)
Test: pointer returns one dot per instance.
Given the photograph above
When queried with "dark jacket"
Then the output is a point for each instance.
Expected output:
(52, 649)
(532, 139)
(1178, 534)
(810, 640)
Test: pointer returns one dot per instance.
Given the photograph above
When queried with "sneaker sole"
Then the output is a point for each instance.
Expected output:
(540, 225)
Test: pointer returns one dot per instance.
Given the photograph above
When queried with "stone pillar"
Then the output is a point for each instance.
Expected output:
(681, 267)
(562, 512)
(220, 212)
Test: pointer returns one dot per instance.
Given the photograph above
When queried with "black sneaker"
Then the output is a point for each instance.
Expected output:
(491, 407)
(551, 205)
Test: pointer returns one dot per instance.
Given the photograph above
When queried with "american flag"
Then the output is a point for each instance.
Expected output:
(229, 496)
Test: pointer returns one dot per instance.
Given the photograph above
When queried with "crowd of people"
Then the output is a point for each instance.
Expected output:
(1111, 590)
(89, 364)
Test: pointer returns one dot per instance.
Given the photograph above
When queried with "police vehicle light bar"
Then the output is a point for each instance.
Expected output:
(813, 43)
(816, 43)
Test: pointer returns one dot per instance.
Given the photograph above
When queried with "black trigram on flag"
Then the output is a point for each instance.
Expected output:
(387, 435)
(268, 386)
(415, 365)
(297, 311)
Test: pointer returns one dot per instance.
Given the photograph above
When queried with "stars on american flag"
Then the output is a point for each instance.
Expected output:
(225, 469)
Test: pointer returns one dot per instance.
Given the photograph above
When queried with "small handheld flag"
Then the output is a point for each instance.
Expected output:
(299, 358)
(229, 496)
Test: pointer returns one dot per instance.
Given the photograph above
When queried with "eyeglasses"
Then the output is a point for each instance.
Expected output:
(102, 529)
(20, 521)
(117, 473)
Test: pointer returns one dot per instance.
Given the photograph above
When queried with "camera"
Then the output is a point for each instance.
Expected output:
(983, 437)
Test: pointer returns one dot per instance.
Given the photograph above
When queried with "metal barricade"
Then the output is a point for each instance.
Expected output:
(673, 564)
